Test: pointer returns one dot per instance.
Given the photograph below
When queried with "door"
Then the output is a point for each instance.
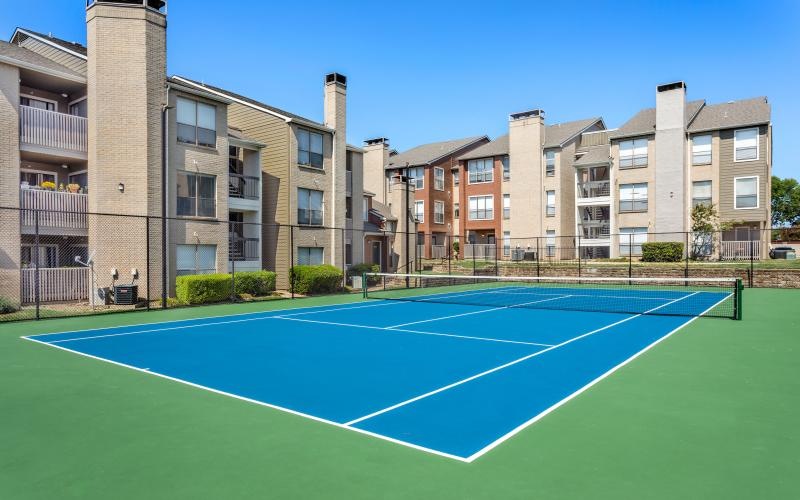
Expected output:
(377, 254)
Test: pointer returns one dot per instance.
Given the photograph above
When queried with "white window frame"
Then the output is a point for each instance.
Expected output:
(550, 243)
(310, 209)
(633, 156)
(197, 269)
(37, 98)
(310, 151)
(39, 174)
(196, 209)
(482, 174)
(457, 210)
(419, 211)
(196, 125)
(506, 206)
(438, 212)
(548, 172)
(456, 177)
(364, 208)
(758, 192)
(629, 243)
(710, 198)
(758, 143)
(548, 205)
(438, 182)
(487, 210)
(45, 247)
(309, 249)
(710, 149)
(633, 199)
(506, 243)
(506, 168)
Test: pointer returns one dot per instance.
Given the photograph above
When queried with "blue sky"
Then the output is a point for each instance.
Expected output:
(434, 70)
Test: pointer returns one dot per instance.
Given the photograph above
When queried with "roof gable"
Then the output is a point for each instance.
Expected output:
(746, 112)
(426, 154)
(73, 48)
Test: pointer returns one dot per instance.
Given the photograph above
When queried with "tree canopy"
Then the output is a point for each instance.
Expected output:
(785, 202)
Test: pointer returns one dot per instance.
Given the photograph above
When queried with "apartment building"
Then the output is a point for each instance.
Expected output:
(313, 178)
(429, 170)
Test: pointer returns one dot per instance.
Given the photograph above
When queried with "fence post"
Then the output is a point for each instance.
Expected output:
(578, 249)
(147, 257)
(449, 240)
(538, 274)
(630, 257)
(752, 267)
(496, 258)
(291, 259)
(35, 260)
(233, 263)
(473, 259)
(344, 257)
(686, 267)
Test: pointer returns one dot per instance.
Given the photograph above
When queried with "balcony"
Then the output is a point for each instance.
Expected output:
(594, 230)
(597, 138)
(242, 249)
(740, 250)
(48, 132)
(244, 187)
(480, 251)
(53, 212)
(594, 189)
(58, 284)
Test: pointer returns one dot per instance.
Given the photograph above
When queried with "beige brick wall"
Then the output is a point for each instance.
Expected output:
(9, 183)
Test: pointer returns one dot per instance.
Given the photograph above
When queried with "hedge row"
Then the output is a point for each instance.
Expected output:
(662, 251)
(360, 269)
(310, 280)
(207, 288)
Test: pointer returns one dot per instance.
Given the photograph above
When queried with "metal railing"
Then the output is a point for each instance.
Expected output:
(480, 250)
(438, 251)
(56, 209)
(594, 189)
(244, 186)
(50, 129)
(595, 229)
(55, 284)
(241, 249)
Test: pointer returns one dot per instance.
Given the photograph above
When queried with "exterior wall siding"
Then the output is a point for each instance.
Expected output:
(729, 170)
(54, 54)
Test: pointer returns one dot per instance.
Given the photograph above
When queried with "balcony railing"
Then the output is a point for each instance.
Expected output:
(55, 209)
(594, 138)
(55, 284)
(593, 229)
(594, 189)
(49, 129)
(438, 251)
(480, 251)
(741, 250)
(243, 186)
(240, 249)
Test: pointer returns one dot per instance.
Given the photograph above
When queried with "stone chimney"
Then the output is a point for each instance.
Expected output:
(336, 119)
(376, 157)
(525, 140)
(669, 167)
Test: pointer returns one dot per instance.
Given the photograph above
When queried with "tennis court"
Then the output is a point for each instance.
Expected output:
(448, 365)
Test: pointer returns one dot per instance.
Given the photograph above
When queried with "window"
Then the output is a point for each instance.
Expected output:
(309, 148)
(633, 154)
(701, 150)
(480, 170)
(419, 211)
(506, 169)
(551, 204)
(310, 256)
(550, 163)
(348, 207)
(456, 177)
(701, 193)
(309, 207)
(456, 210)
(79, 178)
(79, 107)
(633, 197)
(35, 178)
(745, 144)
(416, 177)
(438, 179)
(348, 252)
(195, 259)
(365, 209)
(631, 239)
(506, 243)
(506, 206)
(46, 258)
(438, 212)
(197, 123)
(481, 207)
(550, 243)
(197, 195)
(746, 192)
(44, 104)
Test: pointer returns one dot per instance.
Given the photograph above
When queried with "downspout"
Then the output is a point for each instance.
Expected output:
(164, 186)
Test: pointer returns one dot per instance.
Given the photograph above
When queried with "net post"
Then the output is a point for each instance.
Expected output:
(630, 257)
(538, 270)
(737, 303)
(750, 244)
(579, 255)
(364, 284)
(147, 256)
(686, 267)
(291, 259)
(36, 263)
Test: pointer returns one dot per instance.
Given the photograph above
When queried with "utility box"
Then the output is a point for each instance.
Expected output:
(357, 282)
(126, 295)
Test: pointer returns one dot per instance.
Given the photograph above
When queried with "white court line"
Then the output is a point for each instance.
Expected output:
(506, 365)
(390, 329)
(260, 403)
(478, 312)
(583, 389)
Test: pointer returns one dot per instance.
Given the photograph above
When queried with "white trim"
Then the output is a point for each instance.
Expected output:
(41, 69)
(469, 216)
(758, 144)
(48, 42)
(466, 170)
(434, 178)
(419, 219)
(37, 98)
(76, 101)
(437, 203)
(758, 192)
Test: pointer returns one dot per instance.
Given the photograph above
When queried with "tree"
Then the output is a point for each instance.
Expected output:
(705, 222)
(785, 202)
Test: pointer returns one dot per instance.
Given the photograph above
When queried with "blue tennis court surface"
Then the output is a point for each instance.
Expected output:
(448, 378)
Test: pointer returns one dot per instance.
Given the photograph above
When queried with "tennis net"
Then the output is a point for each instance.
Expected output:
(709, 297)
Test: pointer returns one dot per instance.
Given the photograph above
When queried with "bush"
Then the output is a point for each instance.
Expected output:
(255, 283)
(203, 288)
(7, 307)
(662, 251)
(309, 280)
(360, 269)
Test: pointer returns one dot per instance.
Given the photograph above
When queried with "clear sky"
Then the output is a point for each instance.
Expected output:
(421, 71)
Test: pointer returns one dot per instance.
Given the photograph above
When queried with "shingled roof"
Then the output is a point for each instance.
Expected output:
(558, 134)
(497, 147)
(594, 155)
(755, 111)
(428, 153)
(238, 97)
(644, 122)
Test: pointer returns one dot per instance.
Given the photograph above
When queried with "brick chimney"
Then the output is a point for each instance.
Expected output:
(525, 140)
(669, 192)
(336, 119)
(376, 157)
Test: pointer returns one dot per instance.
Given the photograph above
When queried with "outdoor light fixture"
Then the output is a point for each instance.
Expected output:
(121, 187)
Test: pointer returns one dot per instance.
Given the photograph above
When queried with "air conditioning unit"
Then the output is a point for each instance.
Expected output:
(126, 295)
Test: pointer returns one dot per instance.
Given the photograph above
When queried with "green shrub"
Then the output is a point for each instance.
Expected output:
(255, 283)
(662, 251)
(7, 307)
(360, 269)
(309, 280)
(203, 288)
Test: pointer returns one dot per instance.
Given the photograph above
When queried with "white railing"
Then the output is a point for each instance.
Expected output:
(741, 250)
(438, 251)
(420, 251)
(480, 251)
(40, 127)
(56, 284)
(55, 209)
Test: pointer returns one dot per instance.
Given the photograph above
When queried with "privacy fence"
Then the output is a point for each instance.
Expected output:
(57, 262)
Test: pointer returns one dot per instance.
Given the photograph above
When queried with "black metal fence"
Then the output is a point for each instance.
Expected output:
(62, 263)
